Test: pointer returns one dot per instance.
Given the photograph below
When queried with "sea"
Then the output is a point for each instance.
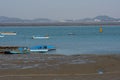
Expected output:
(68, 40)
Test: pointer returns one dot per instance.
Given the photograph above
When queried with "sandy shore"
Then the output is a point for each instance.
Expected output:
(59, 67)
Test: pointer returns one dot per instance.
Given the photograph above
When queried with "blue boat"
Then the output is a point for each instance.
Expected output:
(42, 48)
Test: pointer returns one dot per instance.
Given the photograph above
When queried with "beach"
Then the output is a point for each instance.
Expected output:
(59, 67)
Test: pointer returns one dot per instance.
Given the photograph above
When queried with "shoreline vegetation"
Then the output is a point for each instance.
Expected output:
(59, 67)
(60, 24)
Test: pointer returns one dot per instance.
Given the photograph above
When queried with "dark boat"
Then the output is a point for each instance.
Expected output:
(14, 50)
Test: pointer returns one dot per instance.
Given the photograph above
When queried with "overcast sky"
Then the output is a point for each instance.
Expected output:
(59, 9)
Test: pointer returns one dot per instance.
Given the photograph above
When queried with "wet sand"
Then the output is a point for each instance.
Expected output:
(59, 67)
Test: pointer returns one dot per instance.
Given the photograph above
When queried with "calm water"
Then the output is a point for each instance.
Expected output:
(87, 39)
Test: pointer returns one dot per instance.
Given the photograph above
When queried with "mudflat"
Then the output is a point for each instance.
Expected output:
(59, 67)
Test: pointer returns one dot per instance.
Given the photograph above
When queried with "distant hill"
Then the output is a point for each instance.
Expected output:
(105, 18)
(4, 19)
(102, 18)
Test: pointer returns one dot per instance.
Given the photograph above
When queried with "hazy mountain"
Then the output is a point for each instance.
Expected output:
(7, 19)
(103, 18)
(4, 19)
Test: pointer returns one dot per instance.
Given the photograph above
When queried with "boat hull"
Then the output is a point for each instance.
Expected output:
(8, 33)
(42, 48)
(34, 37)
(39, 50)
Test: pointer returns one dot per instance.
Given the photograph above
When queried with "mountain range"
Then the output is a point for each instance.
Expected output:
(4, 19)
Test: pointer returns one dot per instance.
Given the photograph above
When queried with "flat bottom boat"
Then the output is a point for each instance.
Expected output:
(37, 37)
(42, 48)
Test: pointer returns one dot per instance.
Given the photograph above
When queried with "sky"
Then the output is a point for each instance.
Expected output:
(59, 9)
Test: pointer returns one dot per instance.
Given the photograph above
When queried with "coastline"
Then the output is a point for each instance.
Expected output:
(61, 24)
(59, 67)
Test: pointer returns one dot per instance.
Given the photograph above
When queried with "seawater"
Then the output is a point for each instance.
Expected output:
(87, 39)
